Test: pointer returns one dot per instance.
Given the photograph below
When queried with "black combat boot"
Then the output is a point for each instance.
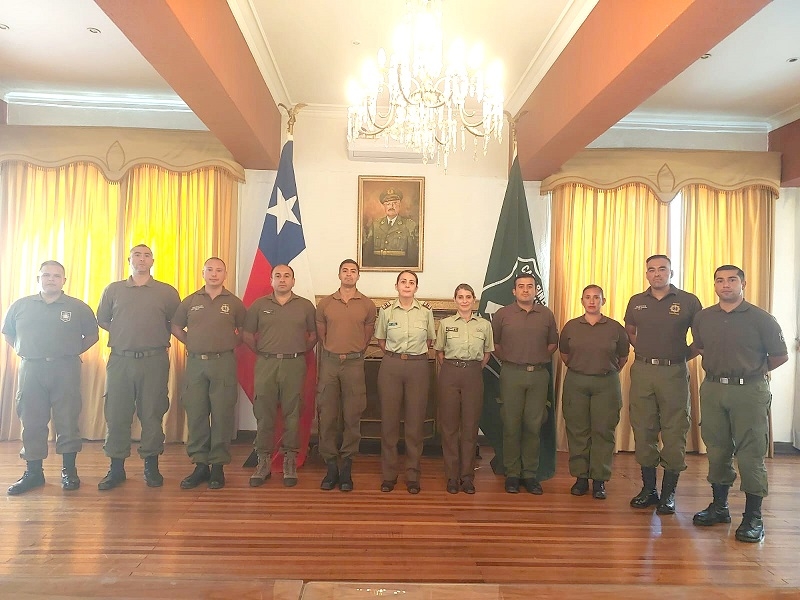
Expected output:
(332, 477)
(580, 487)
(648, 496)
(152, 476)
(598, 489)
(752, 527)
(345, 476)
(115, 475)
(200, 474)
(69, 473)
(666, 505)
(33, 477)
(216, 480)
(717, 511)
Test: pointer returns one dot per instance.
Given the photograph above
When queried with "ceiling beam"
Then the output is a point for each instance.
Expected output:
(197, 47)
(622, 54)
(786, 140)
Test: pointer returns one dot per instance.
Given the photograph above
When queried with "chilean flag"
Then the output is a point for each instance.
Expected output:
(281, 242)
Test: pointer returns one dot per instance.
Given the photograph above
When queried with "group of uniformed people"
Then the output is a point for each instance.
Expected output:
(739, 343)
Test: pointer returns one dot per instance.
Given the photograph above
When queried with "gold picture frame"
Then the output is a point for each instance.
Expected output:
(391, 214)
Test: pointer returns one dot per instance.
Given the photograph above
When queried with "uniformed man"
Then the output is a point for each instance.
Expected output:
(405, 331)
(345, 323)
(594, 348)
(209, 322)
(657, 321)
(393, 240)
(280, 328)
(740, 344)
(49, 331)
(136, 312)
(525, 337)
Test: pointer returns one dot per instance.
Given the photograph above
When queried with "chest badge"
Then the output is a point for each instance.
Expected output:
(225, 309)
(66, 316)
(675, 309)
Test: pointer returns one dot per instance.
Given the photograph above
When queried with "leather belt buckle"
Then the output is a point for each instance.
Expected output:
(343, 357)
(203, 356)
(403, 356)
(138, 355)
(530, 368)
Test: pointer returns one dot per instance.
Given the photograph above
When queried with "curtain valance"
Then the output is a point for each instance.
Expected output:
(114, 150)
(667, 171)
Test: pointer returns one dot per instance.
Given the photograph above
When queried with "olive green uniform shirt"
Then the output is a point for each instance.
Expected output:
(345, 322)
(594, 349)
(388, 244)
(139, 315)
(736, 344)
(405, 331)
(42, 330)
(524, 335)
(464, 340)
(661, 325)
(212, 324)
(281, 328)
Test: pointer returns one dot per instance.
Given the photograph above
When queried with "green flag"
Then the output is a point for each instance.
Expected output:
(512, 252)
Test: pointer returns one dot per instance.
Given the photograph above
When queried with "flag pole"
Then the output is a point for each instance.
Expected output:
(512, 125)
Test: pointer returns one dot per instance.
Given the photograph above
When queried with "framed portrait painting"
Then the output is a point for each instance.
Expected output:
(391, 214)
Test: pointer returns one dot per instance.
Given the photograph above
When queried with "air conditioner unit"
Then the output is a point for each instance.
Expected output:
(384, 149)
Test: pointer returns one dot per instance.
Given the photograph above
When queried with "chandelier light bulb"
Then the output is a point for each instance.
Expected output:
(421, 101)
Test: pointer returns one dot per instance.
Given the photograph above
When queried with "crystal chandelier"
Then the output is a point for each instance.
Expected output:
(418, 100)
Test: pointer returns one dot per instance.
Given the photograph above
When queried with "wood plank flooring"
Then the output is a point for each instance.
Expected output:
(240, 542)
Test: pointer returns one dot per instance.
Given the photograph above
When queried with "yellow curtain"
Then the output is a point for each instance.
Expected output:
(74, 215)
(726, 227)
(184, 218)
(602, 237)
(61, 214)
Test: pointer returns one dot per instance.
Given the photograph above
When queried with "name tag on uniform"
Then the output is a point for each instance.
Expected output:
(448, 329)
(197, 307)
(640, 307)
(267, 312)
(392, 324)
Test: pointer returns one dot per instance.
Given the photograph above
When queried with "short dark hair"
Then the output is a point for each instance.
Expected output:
(523, 275)
(464, 286)
(400, 274)
(140, 246)
(594, 286)
(208, 260)
(53, 263)
(284, 265)
(739, 272)
(351, 262)
(655, 256)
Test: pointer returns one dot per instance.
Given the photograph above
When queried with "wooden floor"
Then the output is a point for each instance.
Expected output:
(287, 543)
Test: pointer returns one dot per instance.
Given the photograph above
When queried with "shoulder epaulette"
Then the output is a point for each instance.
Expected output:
(386, 304)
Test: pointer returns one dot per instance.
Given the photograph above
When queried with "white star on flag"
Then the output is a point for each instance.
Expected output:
(282, 210)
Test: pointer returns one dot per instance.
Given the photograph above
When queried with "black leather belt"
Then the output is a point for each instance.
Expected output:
(47, 358)
(348, 356)
(138, 354)
(733, 380)
(529, 368)
(461, 364)
(209, 355)
(659, 362)
(281, 354)
(406, 356)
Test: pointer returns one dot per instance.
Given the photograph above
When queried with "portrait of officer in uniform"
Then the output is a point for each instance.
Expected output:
(391, 223)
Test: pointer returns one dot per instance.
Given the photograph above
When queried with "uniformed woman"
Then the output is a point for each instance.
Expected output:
(405, 332)
(594, 348)
(463, 345)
